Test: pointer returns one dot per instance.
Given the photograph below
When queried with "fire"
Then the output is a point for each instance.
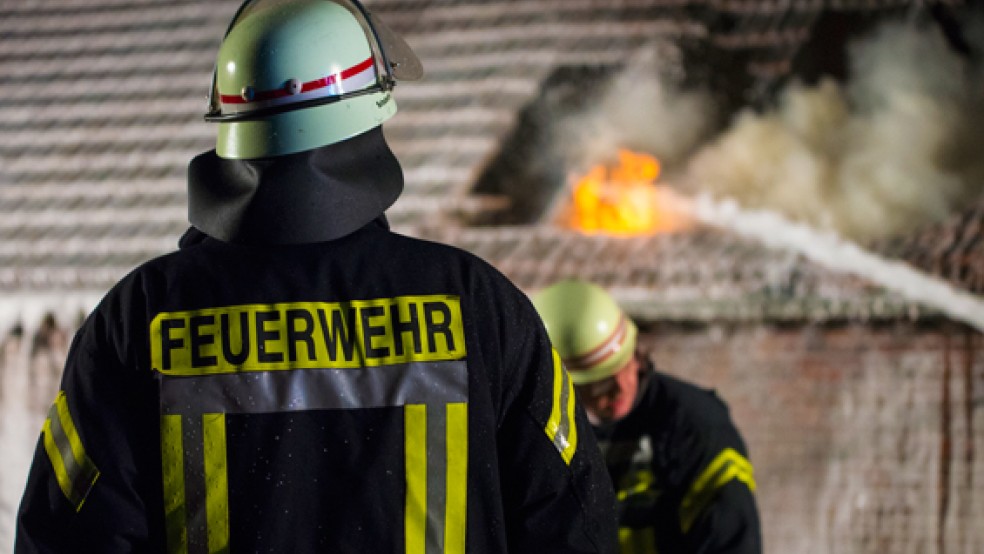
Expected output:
(625, 200)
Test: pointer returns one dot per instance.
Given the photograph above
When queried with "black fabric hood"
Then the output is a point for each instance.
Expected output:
(313, 196)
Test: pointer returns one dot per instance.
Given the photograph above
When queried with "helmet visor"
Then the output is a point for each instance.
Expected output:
(393, 57)
(403, 63)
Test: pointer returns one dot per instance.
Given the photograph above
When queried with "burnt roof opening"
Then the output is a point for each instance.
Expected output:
(753, 75)
(526, 170)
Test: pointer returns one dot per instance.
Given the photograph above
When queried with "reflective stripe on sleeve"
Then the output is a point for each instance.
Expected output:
(637, 541)
(75, 472)
(727, 466)
(561, 428)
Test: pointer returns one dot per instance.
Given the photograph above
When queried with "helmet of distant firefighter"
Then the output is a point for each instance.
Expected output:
(294, 75)
(590, 332)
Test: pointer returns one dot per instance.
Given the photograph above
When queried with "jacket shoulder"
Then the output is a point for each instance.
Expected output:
(694, 402)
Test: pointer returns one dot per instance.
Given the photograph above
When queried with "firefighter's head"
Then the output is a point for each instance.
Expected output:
(597, 342)
(294, 75)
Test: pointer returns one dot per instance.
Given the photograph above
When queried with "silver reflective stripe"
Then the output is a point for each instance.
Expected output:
(437, 471)
(80, 475)
(195, 495)
(431, 385)
(561, 428)
(74, 470)
(564, 426)
(316, 389)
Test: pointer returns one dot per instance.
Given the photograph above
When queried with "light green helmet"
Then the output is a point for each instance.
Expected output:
(591, 333)
(293, 75)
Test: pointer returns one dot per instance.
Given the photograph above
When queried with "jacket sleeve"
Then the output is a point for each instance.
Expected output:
(84, 492)
(558, 494)
(717, 512)
(729, 525)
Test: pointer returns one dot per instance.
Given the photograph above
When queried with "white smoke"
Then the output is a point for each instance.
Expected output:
(642, 110)
(893, 149)
(887, 152)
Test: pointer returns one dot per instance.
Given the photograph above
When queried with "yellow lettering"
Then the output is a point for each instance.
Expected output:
(308, 335)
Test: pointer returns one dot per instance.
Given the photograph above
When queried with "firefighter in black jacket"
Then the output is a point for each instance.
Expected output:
(296, 377)
(678, 463)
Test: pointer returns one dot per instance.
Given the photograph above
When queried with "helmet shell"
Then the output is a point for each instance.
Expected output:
(282, 53)
(591, 333)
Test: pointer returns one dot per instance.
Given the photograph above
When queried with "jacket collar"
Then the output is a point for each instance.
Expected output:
(313, 196)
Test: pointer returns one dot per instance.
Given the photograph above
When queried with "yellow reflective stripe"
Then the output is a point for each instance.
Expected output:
(65, 417)
(637, 541)
(727, 466)
(561, 427)
(456, 511)
(643, 482)
(172, 462)
(216, 482)
(308, 335)
(415, 453)
(74, 471)
(61, 475)
(553, 424)
(568, 452)
(728, 456)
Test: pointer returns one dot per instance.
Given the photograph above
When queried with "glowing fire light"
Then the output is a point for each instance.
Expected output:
(624, 199)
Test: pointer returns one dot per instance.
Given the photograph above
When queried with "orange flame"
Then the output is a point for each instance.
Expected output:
(624, 199)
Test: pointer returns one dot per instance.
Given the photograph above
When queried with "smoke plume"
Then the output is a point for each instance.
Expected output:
(641, 110)
(890, 150)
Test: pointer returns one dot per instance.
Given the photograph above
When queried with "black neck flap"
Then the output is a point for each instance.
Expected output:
(314, 196)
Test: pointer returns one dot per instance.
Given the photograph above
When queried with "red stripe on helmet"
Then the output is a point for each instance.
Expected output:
(316, 84)
(602, 352)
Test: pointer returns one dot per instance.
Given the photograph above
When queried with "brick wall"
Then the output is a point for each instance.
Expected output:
(865, 438)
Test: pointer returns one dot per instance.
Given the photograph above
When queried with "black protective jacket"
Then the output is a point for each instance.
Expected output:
(372, 393)
(681, 473)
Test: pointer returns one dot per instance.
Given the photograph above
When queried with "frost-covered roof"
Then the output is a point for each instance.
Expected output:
(656, 277)
(952, 250)
(100, 112)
